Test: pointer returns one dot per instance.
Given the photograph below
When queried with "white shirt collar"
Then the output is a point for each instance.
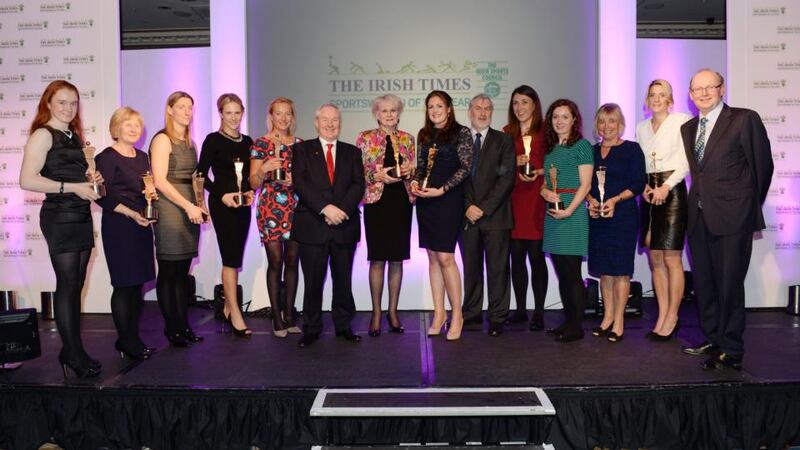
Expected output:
(325, 142)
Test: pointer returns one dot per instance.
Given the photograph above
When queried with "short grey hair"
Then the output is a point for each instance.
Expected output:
(387, 98)
(327, 105)
(480, 97)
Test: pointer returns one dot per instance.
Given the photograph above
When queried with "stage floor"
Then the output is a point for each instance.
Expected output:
(517, 358)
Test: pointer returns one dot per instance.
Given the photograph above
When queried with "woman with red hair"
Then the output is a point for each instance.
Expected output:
(54, 163)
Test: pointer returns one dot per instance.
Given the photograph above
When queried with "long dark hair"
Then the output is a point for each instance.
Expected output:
(551, 138)
(514, 127)
(448, 132)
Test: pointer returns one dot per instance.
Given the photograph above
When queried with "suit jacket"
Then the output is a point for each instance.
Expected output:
(490, 189)
(311, 183)
(734, 177)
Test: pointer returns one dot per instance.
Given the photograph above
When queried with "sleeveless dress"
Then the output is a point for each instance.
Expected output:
(176, 236)
(65, 219)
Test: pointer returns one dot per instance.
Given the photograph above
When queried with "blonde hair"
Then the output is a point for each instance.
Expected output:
(610, 109)
(664, 84)
(271, 108)
(168, 126)
(224, 99)
(119, 117)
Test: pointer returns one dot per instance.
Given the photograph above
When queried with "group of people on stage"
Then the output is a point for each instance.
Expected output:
(505, 197)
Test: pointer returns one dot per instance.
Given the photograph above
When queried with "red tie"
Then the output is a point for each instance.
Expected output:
(329, 160)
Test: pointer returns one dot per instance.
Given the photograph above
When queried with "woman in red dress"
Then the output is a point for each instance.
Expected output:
(275, 211)
(525, 122)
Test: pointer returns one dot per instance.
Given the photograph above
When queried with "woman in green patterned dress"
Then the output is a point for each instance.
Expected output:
(568, 167)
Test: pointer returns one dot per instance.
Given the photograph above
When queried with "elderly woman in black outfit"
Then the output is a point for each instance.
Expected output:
(127, 235)
(227, 153)
(54, 163)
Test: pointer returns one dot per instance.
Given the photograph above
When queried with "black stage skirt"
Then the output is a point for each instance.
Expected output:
(664, 226)
(387, 225)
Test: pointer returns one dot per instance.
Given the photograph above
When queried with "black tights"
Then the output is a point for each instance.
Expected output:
(571, 288)
(70, 269)
(532, 249)
(172, 291)
(395, 278)
(282, 258)
(126, 305)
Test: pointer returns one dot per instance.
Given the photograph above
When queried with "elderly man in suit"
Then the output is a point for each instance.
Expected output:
(488, 220)
(328, 178)
(731, 168)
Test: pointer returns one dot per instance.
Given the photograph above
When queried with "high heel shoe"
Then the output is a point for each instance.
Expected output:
(277, 328)
(81, 369)
(614, 337)
(664, 338)
(436, 330)
(177, 340)
(243, 333)
(374, 331)
(394, 329)
(600, 331)
(142, 355)
(189, 335)
(454, 332)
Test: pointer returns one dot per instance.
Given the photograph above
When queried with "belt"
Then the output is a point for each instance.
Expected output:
(179, 180)
(566, 191)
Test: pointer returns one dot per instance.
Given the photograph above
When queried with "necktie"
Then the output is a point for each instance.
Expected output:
(476, 153)
(700, 144)
(329, 160)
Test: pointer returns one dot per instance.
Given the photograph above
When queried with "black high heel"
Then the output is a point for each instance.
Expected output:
(189, 335)
(81, 369)
(142, 355)
(664, 338)
(177, 340)
(394, 329)
(600, 331)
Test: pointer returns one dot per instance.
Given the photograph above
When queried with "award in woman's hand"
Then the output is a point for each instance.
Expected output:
(395, 171)
(149, 212)
(238, 167)
(527, 169)
(198, 182)
(429, 168)
(601, 186)
(88, 153)
(559, 205)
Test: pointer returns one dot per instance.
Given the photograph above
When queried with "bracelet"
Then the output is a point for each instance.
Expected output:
(61, 189)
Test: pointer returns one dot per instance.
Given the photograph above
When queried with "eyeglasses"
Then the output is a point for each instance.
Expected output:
(702, 90)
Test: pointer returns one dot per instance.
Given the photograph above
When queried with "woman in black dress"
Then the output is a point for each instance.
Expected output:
(440, 204)
(54, 163)
(388, 205)
(227, 153)
(127, 235)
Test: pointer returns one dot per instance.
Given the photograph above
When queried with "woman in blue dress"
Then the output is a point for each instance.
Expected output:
(619, 176)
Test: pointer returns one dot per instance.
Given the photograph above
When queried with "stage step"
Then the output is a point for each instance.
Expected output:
(432, 402)
(438, 447)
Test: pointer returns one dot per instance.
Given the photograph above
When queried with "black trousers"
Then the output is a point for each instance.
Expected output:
(571, 288)
(720, 266)
(314, 261)
(492, 246)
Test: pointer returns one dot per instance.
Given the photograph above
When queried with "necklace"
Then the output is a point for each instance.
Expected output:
(67, 133)
(233, 138)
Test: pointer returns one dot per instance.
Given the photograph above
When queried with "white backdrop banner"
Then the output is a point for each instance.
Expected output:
(764, 71)
(42, 41)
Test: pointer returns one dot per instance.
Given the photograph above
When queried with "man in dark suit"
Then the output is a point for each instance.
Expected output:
(487, 218)
(731, 168)
(328, 178)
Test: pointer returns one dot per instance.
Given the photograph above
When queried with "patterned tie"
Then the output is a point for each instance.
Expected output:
(329, 160)
(700, 144)
(476, 154)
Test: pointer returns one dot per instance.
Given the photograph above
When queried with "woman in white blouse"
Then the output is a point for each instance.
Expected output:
(664, 211)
